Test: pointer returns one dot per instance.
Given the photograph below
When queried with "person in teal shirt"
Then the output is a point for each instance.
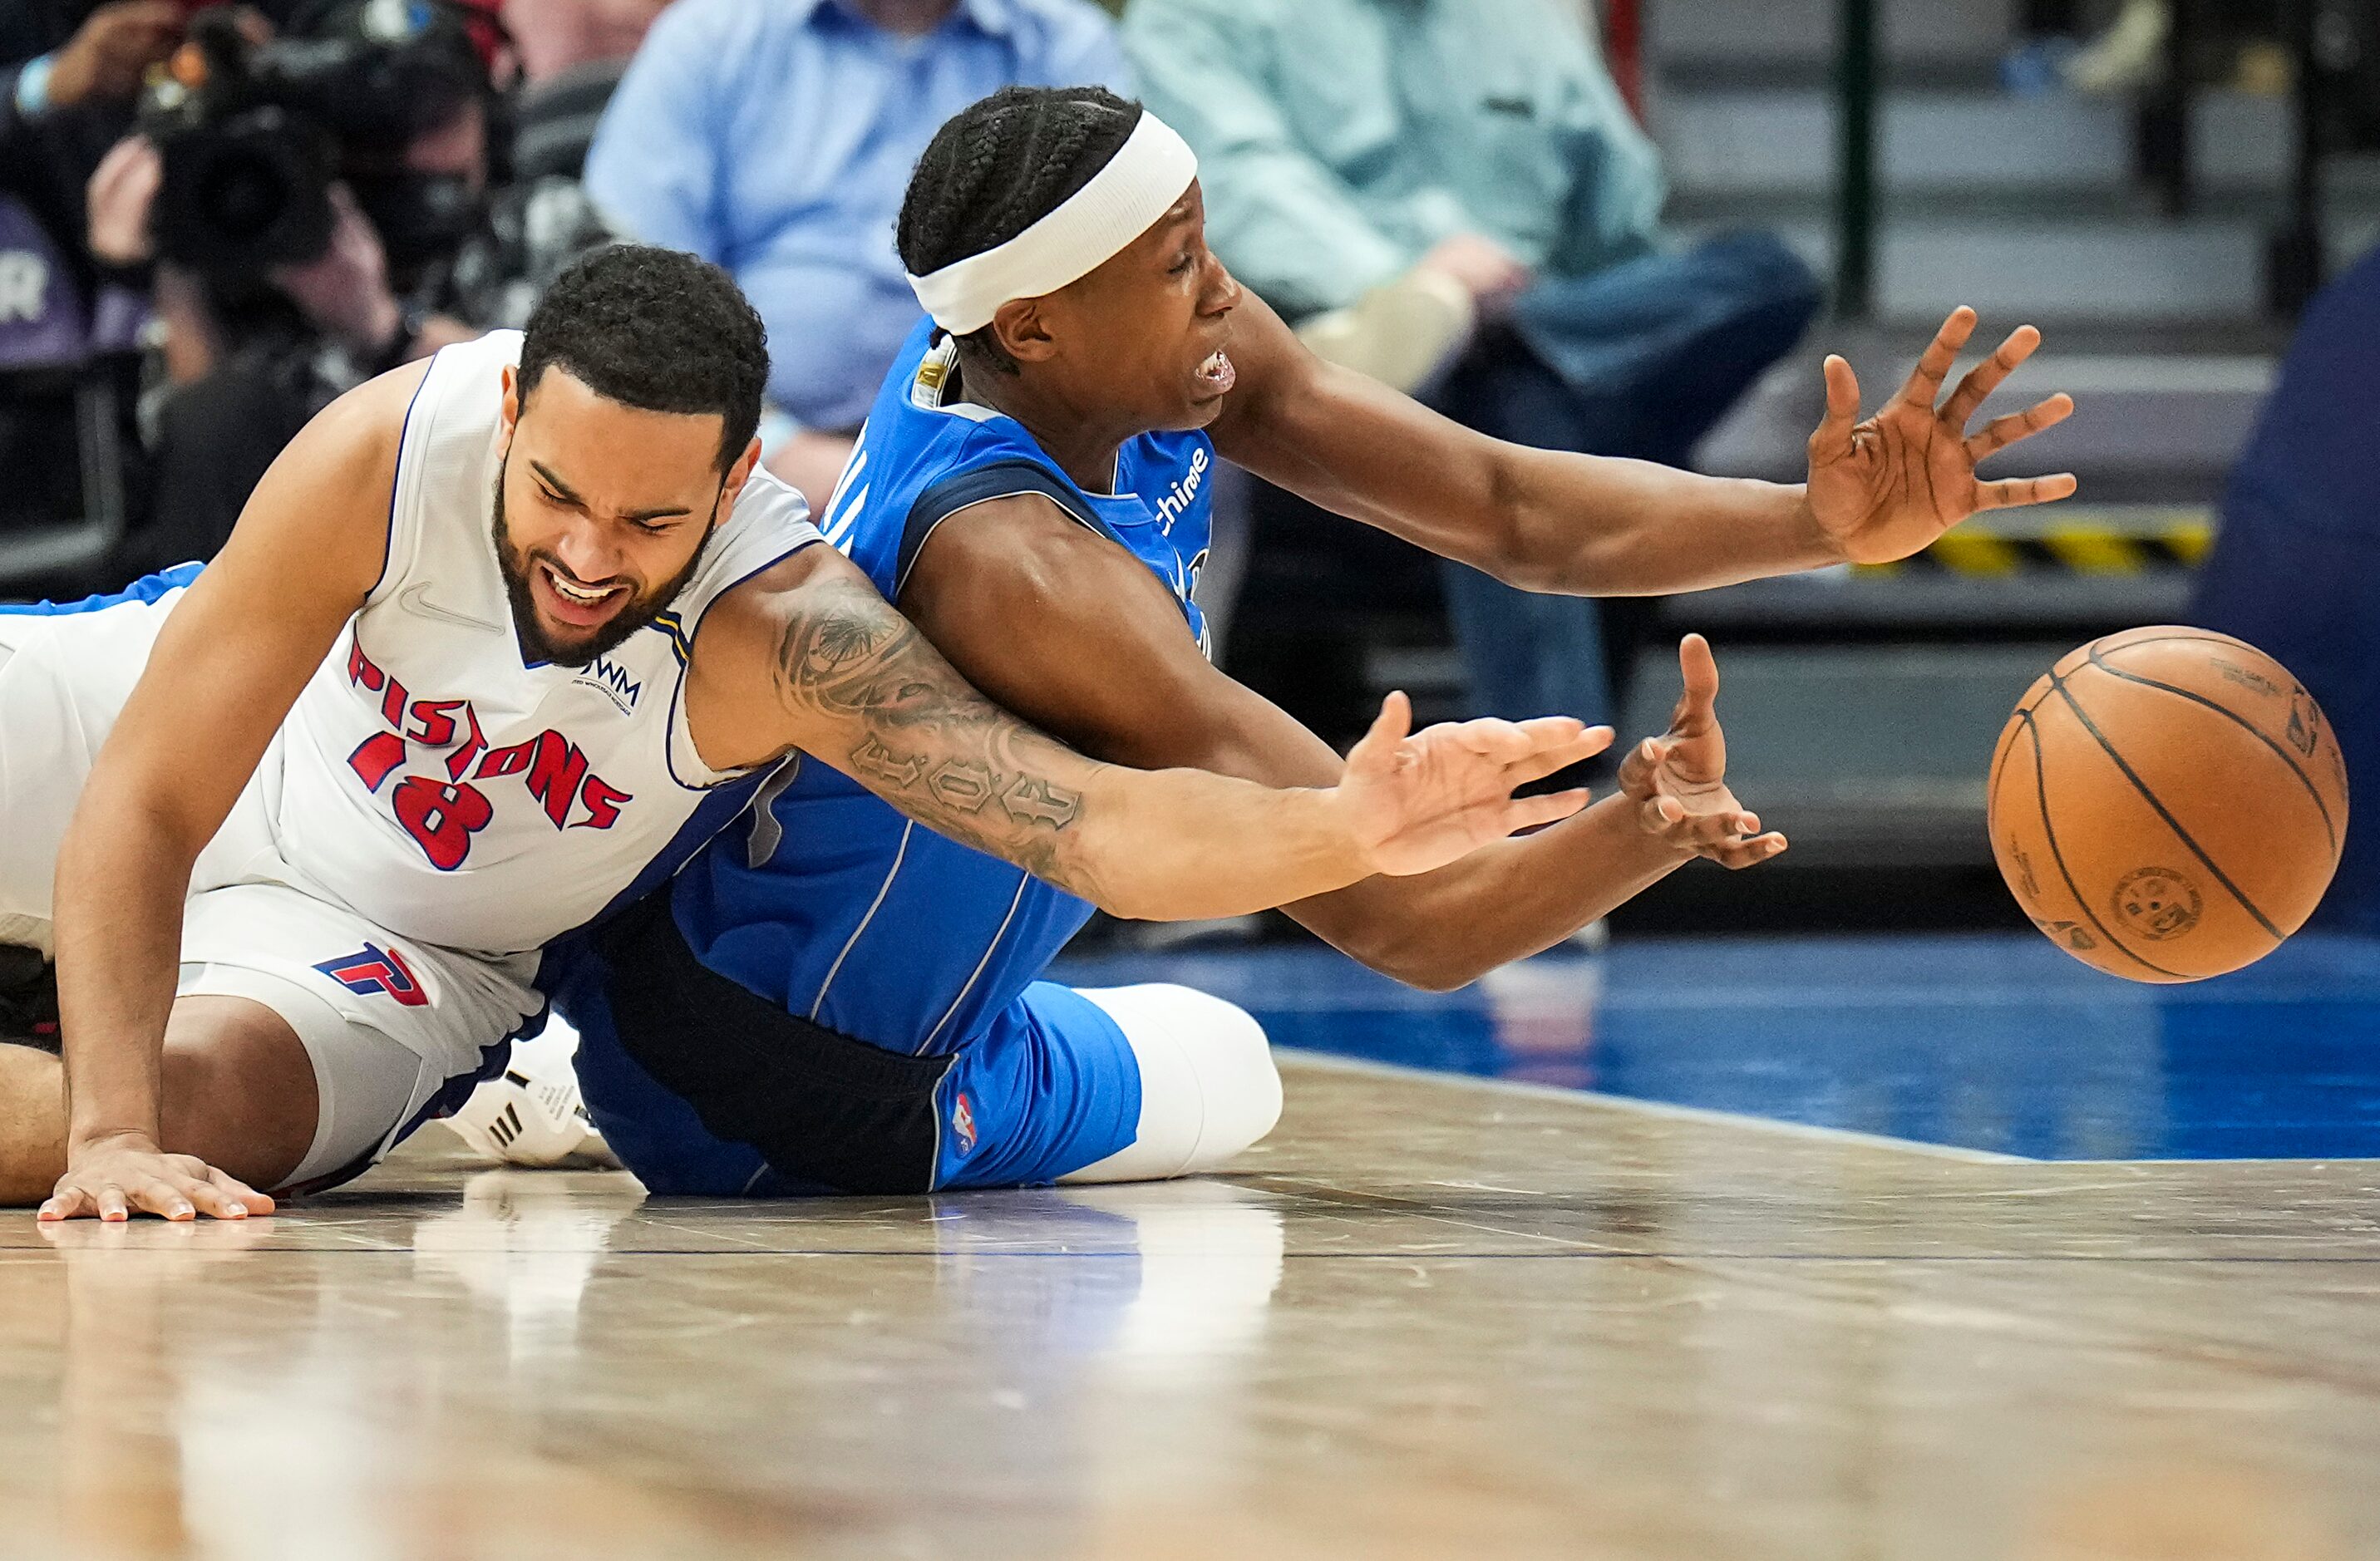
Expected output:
(1356, 152)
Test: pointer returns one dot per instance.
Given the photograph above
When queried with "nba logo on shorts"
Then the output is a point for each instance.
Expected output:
(963, 1123)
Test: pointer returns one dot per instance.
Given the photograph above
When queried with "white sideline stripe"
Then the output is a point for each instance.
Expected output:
(1327, 1062)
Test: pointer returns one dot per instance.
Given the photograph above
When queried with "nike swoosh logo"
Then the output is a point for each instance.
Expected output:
(415, 598)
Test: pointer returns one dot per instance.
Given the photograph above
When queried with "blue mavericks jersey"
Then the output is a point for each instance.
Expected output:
(825, 899)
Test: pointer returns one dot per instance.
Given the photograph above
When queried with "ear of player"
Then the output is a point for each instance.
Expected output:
(1886, 487)
(1418, 800)
(1679, 780)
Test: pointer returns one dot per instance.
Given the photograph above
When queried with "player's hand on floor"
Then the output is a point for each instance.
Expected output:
(117, 1177)
(1679, 780)
(1419, 800)
(1886, 488)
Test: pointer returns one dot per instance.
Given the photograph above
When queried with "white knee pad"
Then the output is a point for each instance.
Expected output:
(1208, 1088)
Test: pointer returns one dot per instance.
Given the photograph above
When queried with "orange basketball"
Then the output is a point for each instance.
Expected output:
(2168, 804)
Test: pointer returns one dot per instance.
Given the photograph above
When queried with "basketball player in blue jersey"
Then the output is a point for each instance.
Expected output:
(491, 633)
(829, 996)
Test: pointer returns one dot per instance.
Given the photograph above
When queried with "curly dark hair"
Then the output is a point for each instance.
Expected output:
(999, 166)
(654, 329)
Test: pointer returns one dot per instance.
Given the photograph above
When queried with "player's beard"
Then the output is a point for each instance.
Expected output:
(642, 610)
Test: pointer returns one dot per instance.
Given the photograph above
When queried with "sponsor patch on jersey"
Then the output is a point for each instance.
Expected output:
(963, 1123)
(1177, 497)
(623, 687)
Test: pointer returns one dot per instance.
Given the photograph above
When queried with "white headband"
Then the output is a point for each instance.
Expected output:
(1140, 185)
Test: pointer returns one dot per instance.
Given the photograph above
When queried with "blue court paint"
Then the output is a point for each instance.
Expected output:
(1986, 1041)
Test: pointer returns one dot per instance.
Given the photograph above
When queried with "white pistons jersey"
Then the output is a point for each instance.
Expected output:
(438, 785)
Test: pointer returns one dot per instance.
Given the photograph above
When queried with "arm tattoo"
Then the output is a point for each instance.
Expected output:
(923, 739)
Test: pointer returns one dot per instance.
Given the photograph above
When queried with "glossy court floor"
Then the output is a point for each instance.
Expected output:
(1683, 1316)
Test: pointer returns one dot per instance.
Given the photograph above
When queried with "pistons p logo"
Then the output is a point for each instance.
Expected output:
(374, 970)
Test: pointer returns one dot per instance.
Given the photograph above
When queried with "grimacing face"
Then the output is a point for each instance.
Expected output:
(602, 512)
(1144, 337)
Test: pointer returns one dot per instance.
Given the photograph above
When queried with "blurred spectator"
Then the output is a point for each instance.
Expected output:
(69, 70)
(70, 73)
(2234, 44)
(2296, 565)
(423, 251)
(1420, 182)
(552, 38)
(776, 140)
(570, 53)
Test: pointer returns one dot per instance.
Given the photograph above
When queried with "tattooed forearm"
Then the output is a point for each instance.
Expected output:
(1035, 801)
(876, 762)
(966, 785)
(921, 737)
(847, 653)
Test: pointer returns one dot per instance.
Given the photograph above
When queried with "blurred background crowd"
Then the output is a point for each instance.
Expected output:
(1627, 228)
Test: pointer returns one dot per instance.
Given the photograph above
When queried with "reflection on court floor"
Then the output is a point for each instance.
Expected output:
(1433, 1317)
(1992, 1043)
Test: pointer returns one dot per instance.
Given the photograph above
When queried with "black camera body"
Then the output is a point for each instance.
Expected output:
(252, 134)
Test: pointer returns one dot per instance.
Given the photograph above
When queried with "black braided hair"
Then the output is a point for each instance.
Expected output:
(1002, 165)
(657, 330)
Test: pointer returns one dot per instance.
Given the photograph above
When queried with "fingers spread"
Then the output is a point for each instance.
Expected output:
(1711, 830)
(2002, 432)
(1750, 854)
(233, 1190)
(1391, 727)
(1635, 771)
(1701, 670)
(216, 1202)
(1563, 731)
(1978, 383)
(1842, 405)
(1924, 387)
(164, 1197)
(1506, 739)
(1538, 766)
(2016, 492)
(1531, 812)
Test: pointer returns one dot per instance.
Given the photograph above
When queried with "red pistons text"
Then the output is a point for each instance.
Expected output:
(443, 815)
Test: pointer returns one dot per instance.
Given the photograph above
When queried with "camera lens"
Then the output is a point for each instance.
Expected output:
(244, 195)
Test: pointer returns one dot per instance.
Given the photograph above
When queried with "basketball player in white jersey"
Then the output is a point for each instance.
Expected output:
(489, 635)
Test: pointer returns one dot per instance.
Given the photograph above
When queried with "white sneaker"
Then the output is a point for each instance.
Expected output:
(531, 1114)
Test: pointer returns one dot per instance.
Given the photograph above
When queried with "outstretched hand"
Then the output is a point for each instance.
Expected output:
(117, 1177)
(1679, 780)
(1885, 489)
(1418, 800)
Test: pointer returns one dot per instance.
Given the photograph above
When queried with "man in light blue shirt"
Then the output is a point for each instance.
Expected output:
(1355, 150)
(774, 138)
